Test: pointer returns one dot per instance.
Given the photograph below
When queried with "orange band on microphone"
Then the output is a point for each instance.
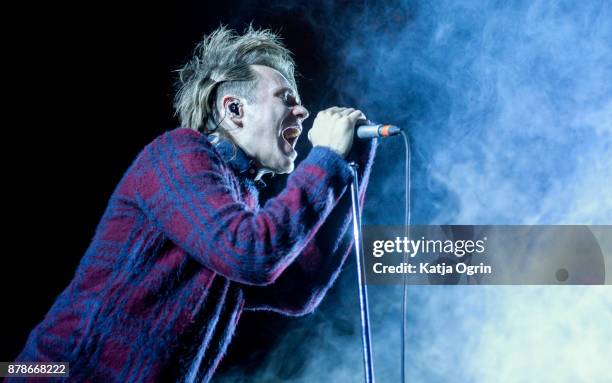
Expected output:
(384, 131)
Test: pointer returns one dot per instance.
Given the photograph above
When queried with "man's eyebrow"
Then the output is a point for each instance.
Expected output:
(285, 89)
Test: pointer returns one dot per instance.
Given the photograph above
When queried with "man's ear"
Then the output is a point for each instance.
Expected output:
(232, 110)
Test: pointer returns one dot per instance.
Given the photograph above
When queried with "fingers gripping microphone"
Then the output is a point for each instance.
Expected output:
(370, 129)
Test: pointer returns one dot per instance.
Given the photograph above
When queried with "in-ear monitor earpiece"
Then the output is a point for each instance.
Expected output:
(234, 108)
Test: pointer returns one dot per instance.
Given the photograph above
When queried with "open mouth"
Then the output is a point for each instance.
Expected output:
(291, 135)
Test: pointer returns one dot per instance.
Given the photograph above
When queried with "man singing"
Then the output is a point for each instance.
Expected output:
(183, 246)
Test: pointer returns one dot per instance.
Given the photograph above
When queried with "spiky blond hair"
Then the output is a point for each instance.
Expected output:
(221, 65)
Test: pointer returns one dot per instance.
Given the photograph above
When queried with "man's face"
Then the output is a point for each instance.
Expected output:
(272, 123)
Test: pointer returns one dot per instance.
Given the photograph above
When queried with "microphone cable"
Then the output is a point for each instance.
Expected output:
(407, 220)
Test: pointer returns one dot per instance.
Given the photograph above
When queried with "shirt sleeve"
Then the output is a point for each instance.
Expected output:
(302, 286)
(188, 192)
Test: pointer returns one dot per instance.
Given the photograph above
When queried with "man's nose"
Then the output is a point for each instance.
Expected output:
(300, 112)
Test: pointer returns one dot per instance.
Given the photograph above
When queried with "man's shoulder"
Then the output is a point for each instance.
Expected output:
(180, 141)
(180, 137)
(181, 146)
(178, 151)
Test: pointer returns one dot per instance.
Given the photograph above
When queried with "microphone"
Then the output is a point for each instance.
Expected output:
(369, 129)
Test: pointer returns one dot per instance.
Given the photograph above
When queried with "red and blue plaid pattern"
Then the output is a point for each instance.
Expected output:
(182, 248)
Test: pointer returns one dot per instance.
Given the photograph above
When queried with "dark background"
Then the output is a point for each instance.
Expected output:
(89, 86)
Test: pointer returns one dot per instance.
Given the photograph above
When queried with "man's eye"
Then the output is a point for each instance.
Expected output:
(289, 100)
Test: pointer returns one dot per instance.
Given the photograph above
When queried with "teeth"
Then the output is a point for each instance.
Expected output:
(291, 133)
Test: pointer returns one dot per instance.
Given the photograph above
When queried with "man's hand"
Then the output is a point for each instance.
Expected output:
(334, 128)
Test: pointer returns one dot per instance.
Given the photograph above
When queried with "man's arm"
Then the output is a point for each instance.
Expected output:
(185, 189)
(302, 286)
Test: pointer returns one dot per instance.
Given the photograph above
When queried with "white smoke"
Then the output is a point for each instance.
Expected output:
(510, 110)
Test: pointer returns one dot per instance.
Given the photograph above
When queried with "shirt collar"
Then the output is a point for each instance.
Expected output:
(235, 157)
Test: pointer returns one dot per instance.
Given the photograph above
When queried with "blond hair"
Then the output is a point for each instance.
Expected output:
(221, 65)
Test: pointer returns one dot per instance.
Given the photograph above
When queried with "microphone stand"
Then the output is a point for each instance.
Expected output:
(363, 290)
